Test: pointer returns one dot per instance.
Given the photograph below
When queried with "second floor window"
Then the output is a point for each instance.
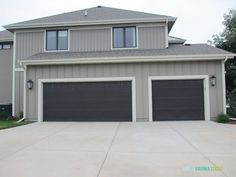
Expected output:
(5, 46)
(57, 40)
(124, 37)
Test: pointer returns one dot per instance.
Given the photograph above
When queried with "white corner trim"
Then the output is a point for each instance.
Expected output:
(13, 75)
(223, 86)
(183, 77)
(102, 79)
(166, 35)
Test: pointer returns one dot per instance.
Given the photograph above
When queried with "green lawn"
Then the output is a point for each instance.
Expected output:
(10, 123)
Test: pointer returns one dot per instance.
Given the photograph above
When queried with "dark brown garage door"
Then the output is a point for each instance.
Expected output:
(178, 100)
(87, 101)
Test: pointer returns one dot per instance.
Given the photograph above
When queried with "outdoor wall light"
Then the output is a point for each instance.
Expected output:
(213, 80)
(30, 84)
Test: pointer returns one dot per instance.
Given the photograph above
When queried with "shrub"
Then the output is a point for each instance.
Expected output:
(20, 115)
(222, 118)
(4, 115)
(232, 103)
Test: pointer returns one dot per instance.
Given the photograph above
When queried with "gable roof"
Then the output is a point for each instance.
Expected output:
(93, 16)
(6, 36)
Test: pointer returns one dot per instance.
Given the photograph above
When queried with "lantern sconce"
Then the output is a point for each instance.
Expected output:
(213, 80)
(30, 84)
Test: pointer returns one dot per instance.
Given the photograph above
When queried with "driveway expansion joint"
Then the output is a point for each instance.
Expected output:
(189, 142)
(109, 148)
(36, 142)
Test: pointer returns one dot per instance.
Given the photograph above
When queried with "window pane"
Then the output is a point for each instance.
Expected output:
(6, 46)
(51, 40)
(130, 37)
(62, 40)
(118, 38)
(0, 46)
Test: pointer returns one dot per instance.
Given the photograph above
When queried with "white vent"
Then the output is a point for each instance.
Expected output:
(85, 13)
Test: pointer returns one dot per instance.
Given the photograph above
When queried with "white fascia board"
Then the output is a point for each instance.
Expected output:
(123, 59)
(78, 23)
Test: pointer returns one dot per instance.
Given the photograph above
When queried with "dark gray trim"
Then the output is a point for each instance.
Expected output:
(124, 36)
(5, 43)
(57, 31)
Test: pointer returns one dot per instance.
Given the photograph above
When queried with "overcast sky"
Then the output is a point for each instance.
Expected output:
(197, 20)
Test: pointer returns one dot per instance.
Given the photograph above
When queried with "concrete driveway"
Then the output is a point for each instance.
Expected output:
(194, 148)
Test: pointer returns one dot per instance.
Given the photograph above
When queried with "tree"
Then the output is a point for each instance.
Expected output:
(227, 41)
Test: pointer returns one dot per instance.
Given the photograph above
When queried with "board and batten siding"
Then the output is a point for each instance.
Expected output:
(90, 40)
(151, 37)
(140, 71)
(94, 38)
(19, 90)
(148, 37)
(6, 58)
(28, 44)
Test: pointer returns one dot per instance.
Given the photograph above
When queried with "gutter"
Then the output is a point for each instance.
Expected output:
(26, 62)
(78, 23)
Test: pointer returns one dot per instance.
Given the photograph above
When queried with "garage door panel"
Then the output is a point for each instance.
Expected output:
(88, 101)
(178, 100)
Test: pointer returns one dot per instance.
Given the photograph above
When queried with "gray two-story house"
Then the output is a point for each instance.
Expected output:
(6, 56)
(107, 64)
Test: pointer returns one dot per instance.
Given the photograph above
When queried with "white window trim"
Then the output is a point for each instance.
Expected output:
(103, 79)
(129, 48)
(205, 79)
(45, 42)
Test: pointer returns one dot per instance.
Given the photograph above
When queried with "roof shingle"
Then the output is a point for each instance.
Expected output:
(94, 14)
(6, 36)
(173, 50)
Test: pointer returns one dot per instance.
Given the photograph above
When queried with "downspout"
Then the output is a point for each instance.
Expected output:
(24, 95)
(224, 85)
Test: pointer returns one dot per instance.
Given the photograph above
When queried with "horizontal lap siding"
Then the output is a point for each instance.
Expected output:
(140, 71)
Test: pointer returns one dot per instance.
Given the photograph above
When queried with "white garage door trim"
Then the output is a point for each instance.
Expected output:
(186, 77)
(103, 79)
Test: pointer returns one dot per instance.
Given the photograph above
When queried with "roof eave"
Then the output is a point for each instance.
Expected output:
(6, 40)
(83, 23)
(26, 62)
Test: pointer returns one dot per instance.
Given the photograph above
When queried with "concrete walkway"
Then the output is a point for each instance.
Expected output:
(165, 149)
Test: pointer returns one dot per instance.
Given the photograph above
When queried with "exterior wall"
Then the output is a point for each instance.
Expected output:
(6, 57)
(95, 38)
(140, 71)
(90, 40)
(27, 44)
(151, 37)
(19, 81)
